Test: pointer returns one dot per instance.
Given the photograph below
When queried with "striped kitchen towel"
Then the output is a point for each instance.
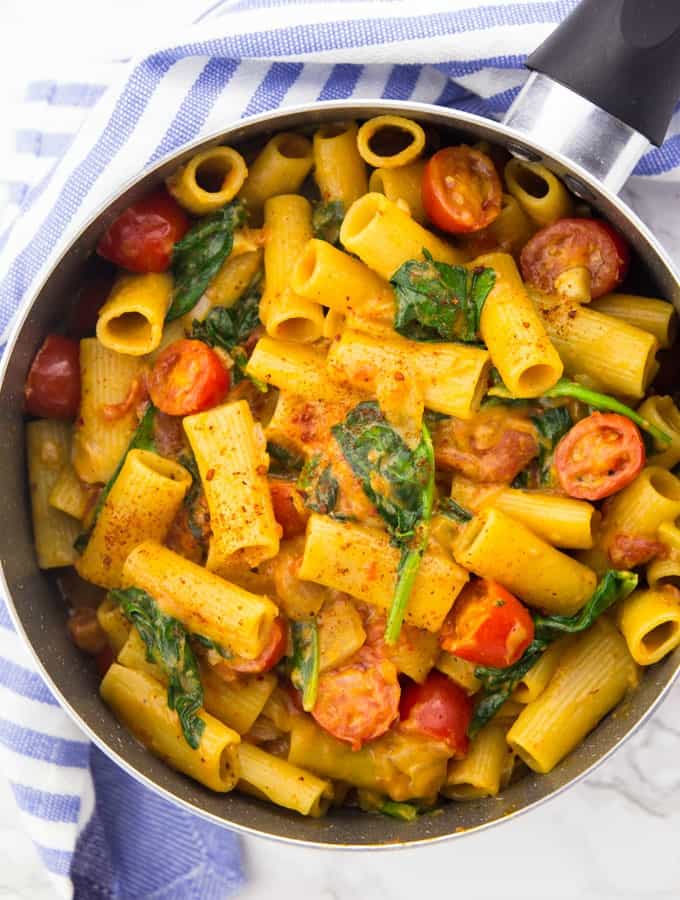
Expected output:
(97, 830)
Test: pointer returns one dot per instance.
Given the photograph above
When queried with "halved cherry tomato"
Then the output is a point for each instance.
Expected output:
(571, 243)
(359, 701)
(461, 189)
(52, 389)
(289, 508)
(142, 237)
(272, 653)
(599, 456)
(187, 378)
(438, 709)
(487, 625)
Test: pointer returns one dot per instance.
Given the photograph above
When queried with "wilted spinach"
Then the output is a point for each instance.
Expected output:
(319, 486)
(327, 219)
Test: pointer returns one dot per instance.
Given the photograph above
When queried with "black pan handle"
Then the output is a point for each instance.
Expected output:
(621, 55)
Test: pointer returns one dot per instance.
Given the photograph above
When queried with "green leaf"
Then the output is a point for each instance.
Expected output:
(454, 511)
(142, 439)
(327, 219)
(197, 258)
(405, 812)
(304, 672)
(439, 302)
(283, 463)
(212, 645)
(551, 425)
(319, 486)
(167, 645)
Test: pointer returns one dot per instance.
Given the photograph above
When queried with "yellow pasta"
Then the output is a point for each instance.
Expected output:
(362, 562)
(113, 622)
(508, 232)
(281, 782)
(390, 141)
(299, 599)
(479, 773)
(230, 453)
(236, 703)
(131, 320)
(384, 237)
(665, 569)
(133, 655)
(658, 317)
(280, 168)
(401, 183)
(140, 703)
(341, 633)
(650, 622)
(210, 180)
(540, 193)
(514, 333)
(227, 287)
(452, 376)
(69, 494)
(333, 324)
(459, 670)
(415, 653)
(206, 604)
(662, 412)
(106, 379)
(592, 677)
(495, 546)
(535, 681)
(141, 505)
(339, 170)
(48, 444)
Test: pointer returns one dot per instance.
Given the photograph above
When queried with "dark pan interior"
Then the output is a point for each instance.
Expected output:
(41, 611)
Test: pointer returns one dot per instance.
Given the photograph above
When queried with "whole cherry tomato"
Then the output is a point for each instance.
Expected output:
(439, 709)
(142, 237)
(487, 625)
(52, 389)
(599, 456)
(187, 378)
(461, 189)
(574, 243)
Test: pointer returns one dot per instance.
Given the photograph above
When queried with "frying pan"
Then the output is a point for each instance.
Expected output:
(602, 88)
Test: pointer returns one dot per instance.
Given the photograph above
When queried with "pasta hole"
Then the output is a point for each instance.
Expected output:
(665, 484)
(660, 636)
(130, 326)
(293, 146)
(211, 174)
(305, 266)
(297, 329)
(531, 183)
(536, 380)
(360, 215)
(390, 141)
(332, 131)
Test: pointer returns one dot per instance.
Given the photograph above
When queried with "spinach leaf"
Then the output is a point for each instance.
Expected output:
(304, 670)
(212, 645)
(454, 511)
(498, 684)
(142, 439)
(192, 496)
(319, 486)
(439, 302)
(167, 645)
(400, 484)
(282, 462)
(197, 258)
(552, 424)
(405, 812)
(326, 220)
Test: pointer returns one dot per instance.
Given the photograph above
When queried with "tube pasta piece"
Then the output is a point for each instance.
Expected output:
(341, 633)
(48, 444)
(298, 599)
(286, 315)
(326, 275)
(210, 180)
(514, 333)
(133, 655)
(280, 168)
(384, 237)
(394, 131)
(333, 324)
(298, 369)
(540, 193)
(141, 704)
(339, 170)
(227, 287)
(362, 562)
(271, 778)
(69, 494)
(206, 604)
(131, 320)
(479, 774)
(593, 676)
(658, 317)
(141, 505)
(459, 670)
(532, 685)
(236, 703)
(106, 378)
(492, 545)
(665, 569)
(618, 357)
(662, 412)
(113, 622)
(509, 231)
(650, 622)
(415, 653)
(402, 183)
(452, 377)
(230, 453)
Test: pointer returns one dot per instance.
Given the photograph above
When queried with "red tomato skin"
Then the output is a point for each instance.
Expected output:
(141, 239)
(488, 626)
(439, 709)
(592, 243)
(289, 509)
(269, 657)
(632, 448)
(52, 389)
(188, 377)
(469, 164)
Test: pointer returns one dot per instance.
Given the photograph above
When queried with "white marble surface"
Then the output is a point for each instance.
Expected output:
(615, 836)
